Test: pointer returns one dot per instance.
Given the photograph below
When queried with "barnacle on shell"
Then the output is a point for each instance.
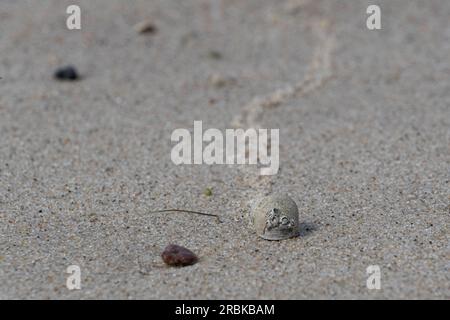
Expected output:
(276, 217)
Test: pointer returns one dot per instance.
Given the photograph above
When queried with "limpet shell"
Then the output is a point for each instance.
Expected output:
(275, 217)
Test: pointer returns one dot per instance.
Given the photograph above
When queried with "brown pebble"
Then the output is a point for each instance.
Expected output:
(220, 81)
(145, 27)
(174, 255)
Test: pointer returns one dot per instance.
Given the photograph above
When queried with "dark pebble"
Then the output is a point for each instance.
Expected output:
(146, 27)
(178, 256)
(67, 73)
(215, 55)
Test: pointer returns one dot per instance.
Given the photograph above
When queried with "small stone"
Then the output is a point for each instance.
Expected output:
(93, 217)
(215, 55)
(177, 256)
(146, 26)
(67, 73)
(220, 81)
(217, 81)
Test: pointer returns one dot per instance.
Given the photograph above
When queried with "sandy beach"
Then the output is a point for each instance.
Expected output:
(364, 150)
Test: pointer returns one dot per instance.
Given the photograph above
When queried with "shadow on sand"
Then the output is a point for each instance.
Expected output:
(307, 228)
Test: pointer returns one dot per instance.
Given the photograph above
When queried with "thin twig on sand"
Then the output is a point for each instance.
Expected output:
(189, 211)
